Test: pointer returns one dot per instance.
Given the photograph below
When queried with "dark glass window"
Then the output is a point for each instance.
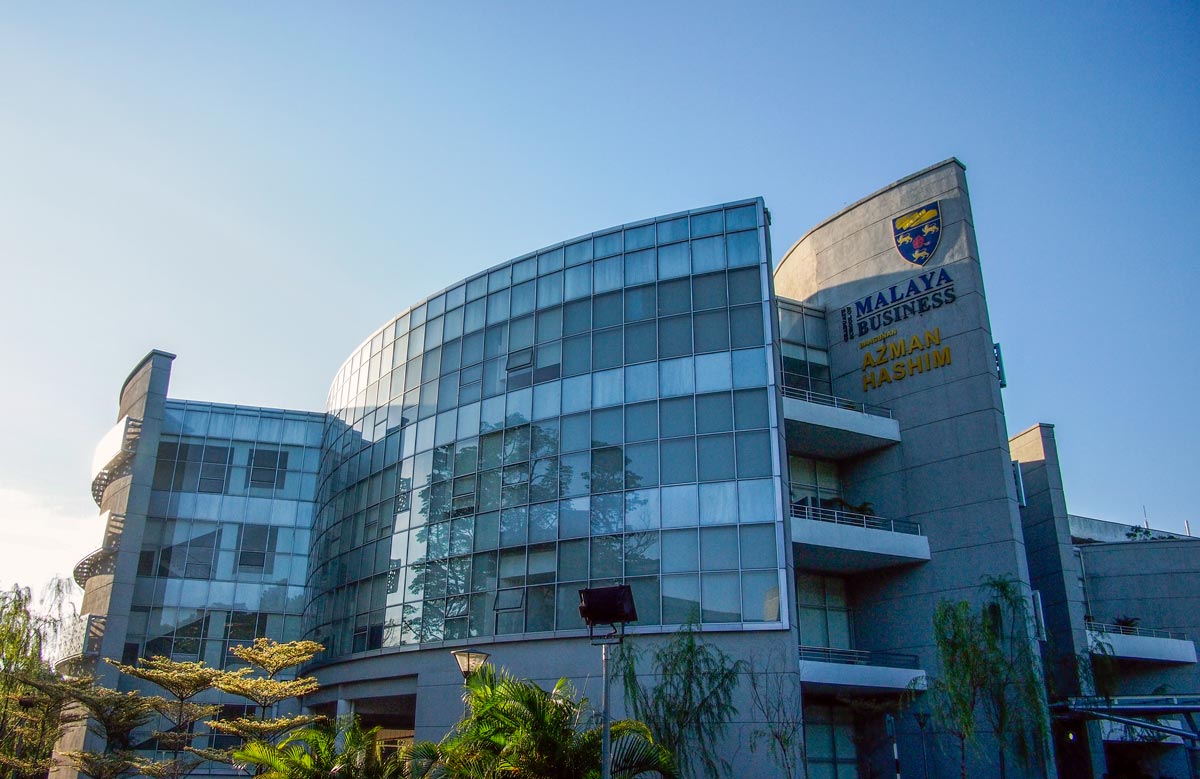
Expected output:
(715, 457)
(747, 325)
(678, 416)
(674, 297)
(714, 413)
(641, 421)
(640, 303)
(750, 408)
(678, 460)
(674, 336)
(708, 291)
(641, 342)
(712, 331)
(606, 427)
(606, 349)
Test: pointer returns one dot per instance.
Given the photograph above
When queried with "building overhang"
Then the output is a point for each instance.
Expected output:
(837, 672)
(830, 547)
(833, 432)
(1148, 648)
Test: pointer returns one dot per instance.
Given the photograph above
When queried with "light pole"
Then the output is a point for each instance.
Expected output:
(922, 718)
(612, 606)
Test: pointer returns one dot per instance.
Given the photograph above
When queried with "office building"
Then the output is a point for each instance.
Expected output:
(800, 457)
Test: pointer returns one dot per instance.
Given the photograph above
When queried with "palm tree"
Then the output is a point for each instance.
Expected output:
(516, 729)
(346, 750)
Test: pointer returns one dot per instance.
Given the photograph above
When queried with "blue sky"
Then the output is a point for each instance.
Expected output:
(256, 187)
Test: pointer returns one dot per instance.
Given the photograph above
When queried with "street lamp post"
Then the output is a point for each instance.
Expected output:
(469, 661)
(922, 718)
(612, 606)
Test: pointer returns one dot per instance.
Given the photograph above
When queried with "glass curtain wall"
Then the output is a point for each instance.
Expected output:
(600, 411)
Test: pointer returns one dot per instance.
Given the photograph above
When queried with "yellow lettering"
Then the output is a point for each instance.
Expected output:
(899, 371)
(941, 357)
(868, 380)
(867, 361)
(895, 349)
(914, 344)
(914, 366)
(884, 377)
(933, 337)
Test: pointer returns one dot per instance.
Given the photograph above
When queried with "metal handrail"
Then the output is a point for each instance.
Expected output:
(824, 654)
(1126, 630)
(836, 402)
(801, 511)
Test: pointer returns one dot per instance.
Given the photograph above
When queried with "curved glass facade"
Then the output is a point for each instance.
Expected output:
(600, 411)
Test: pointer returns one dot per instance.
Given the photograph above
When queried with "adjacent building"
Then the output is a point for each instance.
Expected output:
(801, 458)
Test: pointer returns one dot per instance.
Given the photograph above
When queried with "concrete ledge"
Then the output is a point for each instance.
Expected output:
(826, 546)
(1153, 648)
(819, 677)
(838, 433)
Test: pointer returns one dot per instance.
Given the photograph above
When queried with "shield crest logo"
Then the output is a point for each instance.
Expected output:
(917, 232)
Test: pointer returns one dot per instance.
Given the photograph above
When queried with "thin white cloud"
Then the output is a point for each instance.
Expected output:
(41, 537)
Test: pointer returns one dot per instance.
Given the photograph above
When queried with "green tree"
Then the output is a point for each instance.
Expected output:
(515, 728)
(345, 750)
(182, 681)
(988, 662)
(775, 695)
(31, 718)
(270, 659)
(689, 706)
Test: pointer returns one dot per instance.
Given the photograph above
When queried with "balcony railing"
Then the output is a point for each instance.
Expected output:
(801, 511)
(80, 638)
(100, 562)
(822, 654)
(836, 402)
(1126, 630)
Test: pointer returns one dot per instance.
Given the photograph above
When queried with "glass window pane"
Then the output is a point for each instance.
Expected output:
(760, 596)
(680, 506)
(608, 469)
(607, 427)
(577, 317)
(606, 557)
(606, 348)
(572, 559)
(722, 598)
(718, 503)
(574, 473)
(680, 551)
(708, 291)
(708, 254)
(522, 298)
(576, 432)
(746, 322)
(641, 342)
(750, 408)
(675, 336)
(680, 599)
(758, 546)
(640, 303)
(741, 218)
(574, 519)
(546, 400)
(745, 286)
(715, 456)
(742, 248)
(753, 454)
(608, 388)
(711, 223)
(567, 598)
(712, 331)
(674, 297)
(750, 367)
(714, 413)
(641, 554)
(549, 290)
(579, 252)
(539, 609)
(646, 599)
(578, 282)
(641, 420)
(607, 513)
(550, 261)
(641, 381)
(641, 465)
(638, 238)
(608, 274)
(608, 244)
(674, 230)
(640, 267)
(712, 372)
(676, 377)
(756, 501)
(678, 417)
(641, 510)
(576, 394)
(673, 261)
(497, 307)
(718, 548)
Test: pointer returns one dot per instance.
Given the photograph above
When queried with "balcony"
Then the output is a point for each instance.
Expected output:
(113, 451)
(100, 562)
(835, 428)
(1134, 643)
(845, 542)
(833, 671)
(78, 640)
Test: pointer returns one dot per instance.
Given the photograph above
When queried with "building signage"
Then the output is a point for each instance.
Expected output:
(916, 233)
(889, 360)
(879, 310)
